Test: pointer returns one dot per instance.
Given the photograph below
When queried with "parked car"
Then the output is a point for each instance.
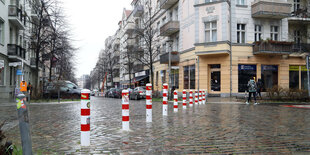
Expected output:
(93, 92)
(118, 93)
(66, 89)
(138, 93)
(111, 92)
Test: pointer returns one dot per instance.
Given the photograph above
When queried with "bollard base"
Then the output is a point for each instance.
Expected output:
(125, 126)
(85, 138)
(165, 110)
(148, 115)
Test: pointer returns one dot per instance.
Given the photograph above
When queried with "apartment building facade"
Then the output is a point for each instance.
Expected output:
(17, 60)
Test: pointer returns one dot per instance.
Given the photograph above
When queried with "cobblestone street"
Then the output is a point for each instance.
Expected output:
(210, 128)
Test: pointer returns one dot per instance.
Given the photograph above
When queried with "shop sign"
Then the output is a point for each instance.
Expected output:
(269, 68)
(19, 72)
(1, 64)
(247, 67)
(142, 73)
(15, 64)
(294, 68)
(303, 68)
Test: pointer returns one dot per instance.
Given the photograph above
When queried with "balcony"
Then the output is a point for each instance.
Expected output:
(170, 28)
(129, 28)
(138, 67)
(276, 9)
(164, 58)
(16, 17)
(138, 11)
(273, 47)
(130, 42)
(33, 63)
(16, 52)
(166, 4)
(116, 41)
(301, 47)
(34, 15)
(299, 15)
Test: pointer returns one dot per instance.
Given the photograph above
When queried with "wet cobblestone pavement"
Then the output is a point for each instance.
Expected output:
(202, 129)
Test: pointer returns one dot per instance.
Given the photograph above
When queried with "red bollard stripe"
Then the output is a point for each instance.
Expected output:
(85, 96)
(85, 127)
(148, 87)
(164, 102)
(125, 118)
(148, 98)
(175, 106)
(125, 106)
(85, 112)
(148, 106)
(184, 98)
(176, 100)
(164, 94)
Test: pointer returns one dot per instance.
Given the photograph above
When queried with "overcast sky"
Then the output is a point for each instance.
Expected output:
(92, 22)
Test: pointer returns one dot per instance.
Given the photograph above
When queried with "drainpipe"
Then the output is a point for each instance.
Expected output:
(230, 55)
(198, 72)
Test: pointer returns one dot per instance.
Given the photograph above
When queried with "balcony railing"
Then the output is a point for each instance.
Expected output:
(130, 42)
(300, 13)
(170, 28)
(271, 9)
(129, 28)
(164, 58)
(273, 47)
(17, 51)
(138, 11)
(301, 47)
(16, 16)
(166, 4)
(33, 63)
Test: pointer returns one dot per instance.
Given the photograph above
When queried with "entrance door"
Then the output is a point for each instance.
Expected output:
(215, 77)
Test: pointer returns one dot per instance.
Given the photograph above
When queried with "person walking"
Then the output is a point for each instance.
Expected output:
(259, 88)
(29, 90)
(252, 88)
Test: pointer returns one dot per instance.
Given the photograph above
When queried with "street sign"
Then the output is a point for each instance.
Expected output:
(1, 64)
(15, 64)
(19, 72)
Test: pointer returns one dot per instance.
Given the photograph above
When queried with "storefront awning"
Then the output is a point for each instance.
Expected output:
(137, 79)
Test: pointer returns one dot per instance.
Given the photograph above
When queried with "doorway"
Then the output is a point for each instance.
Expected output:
(215, 78)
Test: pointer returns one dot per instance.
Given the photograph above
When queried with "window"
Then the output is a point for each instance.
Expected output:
(297, 37)
(240, 33)
(158, 27)
(2, 72)
(163, 76)
(245, 73)
(208, 1)
(175, 78)
(298, 77)
(274, 32)
(269, 76)
(1, 32)
(163, 21)
(189, 77)
(258, 33)
(296, 5)
(156, 78)
(241, 2)
(210, 32)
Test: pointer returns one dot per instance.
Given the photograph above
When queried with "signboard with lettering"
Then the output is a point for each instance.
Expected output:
(19, 72)
(15, 64)
(247, 67)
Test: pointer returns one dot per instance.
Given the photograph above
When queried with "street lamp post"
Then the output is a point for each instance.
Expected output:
(169, 65)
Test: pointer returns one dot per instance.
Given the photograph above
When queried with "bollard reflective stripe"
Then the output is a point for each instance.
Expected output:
(85, 117)
(196, 97)
(148, 94)
(175, 103)
(203, 97)
(190, 98)
(165, 99)
(125, 110)
(200, 97)
(184, 99)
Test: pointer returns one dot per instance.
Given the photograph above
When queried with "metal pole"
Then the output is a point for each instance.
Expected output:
(307, 60)
(170, 87)
(198, 72)
(23, 118)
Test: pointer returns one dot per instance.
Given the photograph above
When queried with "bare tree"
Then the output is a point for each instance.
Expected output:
(147, 34)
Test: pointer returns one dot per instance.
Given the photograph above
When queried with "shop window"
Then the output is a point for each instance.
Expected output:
(189, 77)
(245, 73)
(298, 77)
(175, 78)
(269, 74)
(1, 72)
(163, 76)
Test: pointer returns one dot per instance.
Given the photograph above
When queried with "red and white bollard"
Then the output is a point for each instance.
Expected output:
(196, 97)
(165, 99)
(175, 103)
(190, 98)
(184, 99)
(203, 97)
(85, 117)
(200, 97)
(148, 94)
(125, 110)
